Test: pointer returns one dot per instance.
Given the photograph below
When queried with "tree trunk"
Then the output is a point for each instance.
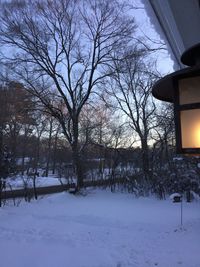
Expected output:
(14, 145)
(24, 147)
(76, 155)
(37, 156)
(145, 159)
(49, 149)
(78, 167)
(54, 152)
(34, 186)
(1, 151)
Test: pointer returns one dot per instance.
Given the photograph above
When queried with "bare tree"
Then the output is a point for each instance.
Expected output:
(52, 131)
(55, 146)
(66, 45)
(16, 114)
(38, 130)
(130, 87)
(164, 135)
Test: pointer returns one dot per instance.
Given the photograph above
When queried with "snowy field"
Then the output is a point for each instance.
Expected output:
(99, 230)
(18, 182)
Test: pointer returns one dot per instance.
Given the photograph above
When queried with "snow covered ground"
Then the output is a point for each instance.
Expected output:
(18, 182)
(101, 229)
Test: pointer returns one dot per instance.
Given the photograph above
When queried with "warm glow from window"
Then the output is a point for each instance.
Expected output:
(190, 128)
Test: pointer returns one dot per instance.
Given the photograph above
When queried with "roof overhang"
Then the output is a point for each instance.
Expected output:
(178, 22)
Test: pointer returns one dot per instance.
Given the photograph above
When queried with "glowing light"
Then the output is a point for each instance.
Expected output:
(190, 128)
(197, 136)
